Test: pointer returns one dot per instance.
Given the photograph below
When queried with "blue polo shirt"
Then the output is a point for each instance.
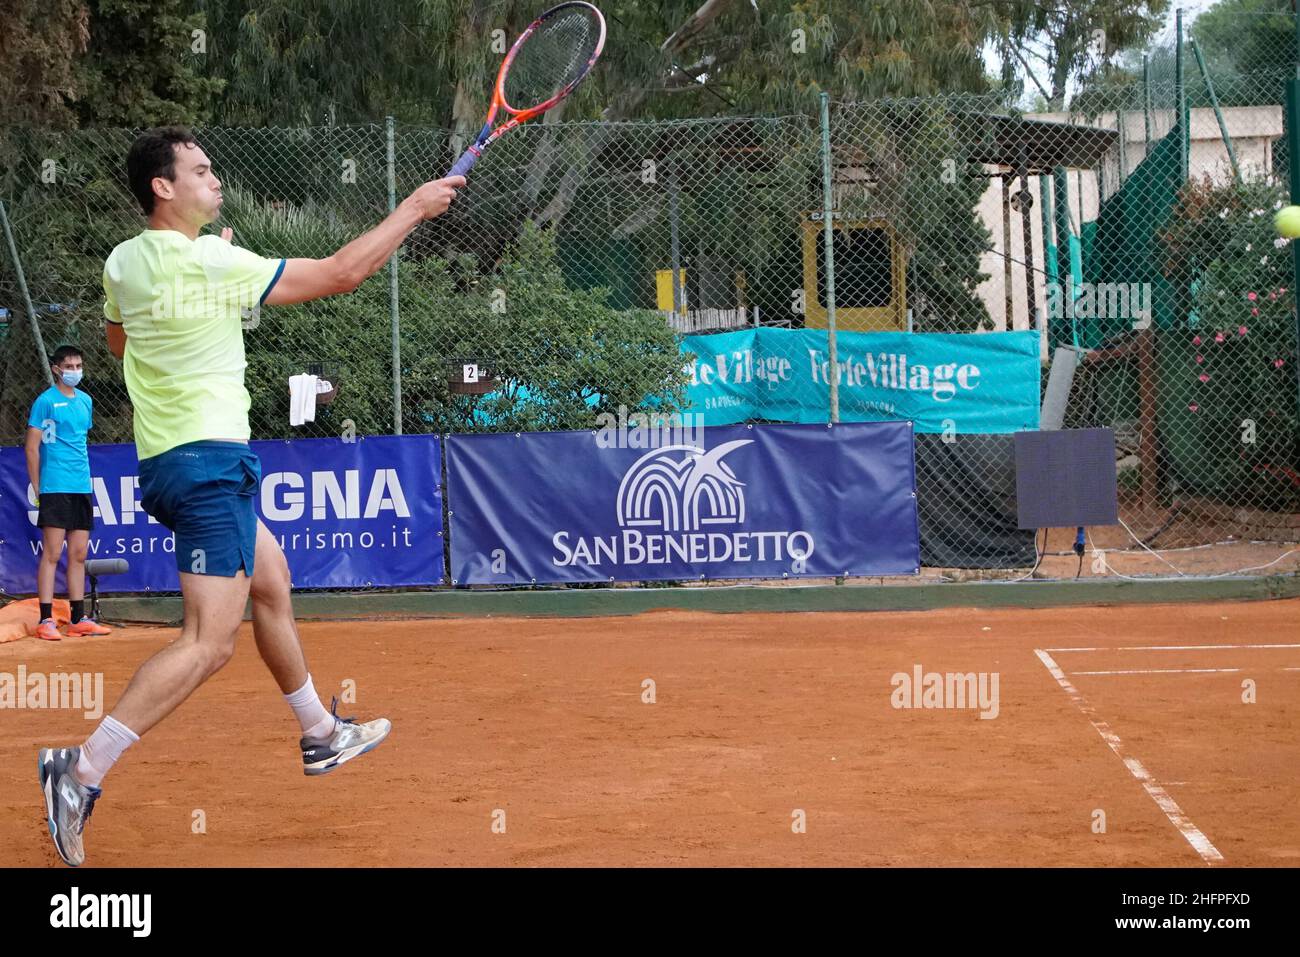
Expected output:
(65, 422)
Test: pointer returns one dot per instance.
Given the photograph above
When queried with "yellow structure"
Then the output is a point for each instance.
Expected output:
(664, 290)
(870, 275)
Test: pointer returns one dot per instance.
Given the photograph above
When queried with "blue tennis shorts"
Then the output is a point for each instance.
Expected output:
(206, 492)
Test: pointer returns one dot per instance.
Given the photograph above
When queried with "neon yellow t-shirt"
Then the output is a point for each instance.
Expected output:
(181, 303)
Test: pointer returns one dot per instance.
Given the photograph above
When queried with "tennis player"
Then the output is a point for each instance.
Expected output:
(174, 302)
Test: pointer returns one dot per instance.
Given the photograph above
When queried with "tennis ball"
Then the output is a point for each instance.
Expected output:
(1287, 221)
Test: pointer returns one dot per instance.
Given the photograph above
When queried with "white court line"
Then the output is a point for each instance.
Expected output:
(1168, 647)
(1161, 671)
(1200, 843)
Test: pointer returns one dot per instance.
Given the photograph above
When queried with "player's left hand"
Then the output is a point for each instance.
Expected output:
(227, 234)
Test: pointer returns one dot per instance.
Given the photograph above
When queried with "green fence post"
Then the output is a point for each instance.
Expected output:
(1218, 113)
(392, 287)
(1146, 104)
(1293, 161)
(1049, 235)
(828, 214)
(1184, 141)
(1061, 182)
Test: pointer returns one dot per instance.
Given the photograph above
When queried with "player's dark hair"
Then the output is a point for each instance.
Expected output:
(63, 352)
(154, 154)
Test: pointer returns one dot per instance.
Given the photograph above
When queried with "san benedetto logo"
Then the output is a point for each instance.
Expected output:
(682, 504)
(681, 495)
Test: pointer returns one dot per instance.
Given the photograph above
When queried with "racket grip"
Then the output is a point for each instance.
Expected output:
(465, 163)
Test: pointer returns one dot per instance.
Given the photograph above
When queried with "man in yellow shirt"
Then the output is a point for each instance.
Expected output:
(174, 303)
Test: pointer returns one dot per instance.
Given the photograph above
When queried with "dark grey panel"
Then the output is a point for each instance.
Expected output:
(1066, 478)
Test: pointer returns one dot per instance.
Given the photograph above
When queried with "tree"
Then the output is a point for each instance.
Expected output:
(433, 61)
(62, 230)
(727, 57)
(1071, 40)
(141, 68)
(732, 57)
(1250, 46)
(314, 62)
(39, 44)
(1235, 359)
(559, 356)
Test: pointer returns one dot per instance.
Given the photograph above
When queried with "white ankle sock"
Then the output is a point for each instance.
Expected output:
(316, 722)
(102, 749)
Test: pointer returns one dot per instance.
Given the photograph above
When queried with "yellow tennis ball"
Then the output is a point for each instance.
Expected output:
(1287, 221)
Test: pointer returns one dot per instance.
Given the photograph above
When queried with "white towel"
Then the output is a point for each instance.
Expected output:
(303, 390)
(302, 399)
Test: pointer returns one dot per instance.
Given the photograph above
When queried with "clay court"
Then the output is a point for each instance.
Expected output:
(755, 716)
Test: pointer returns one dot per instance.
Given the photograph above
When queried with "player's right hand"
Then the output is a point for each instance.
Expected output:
(433, 198)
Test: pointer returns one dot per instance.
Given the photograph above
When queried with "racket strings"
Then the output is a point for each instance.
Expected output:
(556, 54)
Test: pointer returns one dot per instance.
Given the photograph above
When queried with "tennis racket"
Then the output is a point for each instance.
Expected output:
(545, 65)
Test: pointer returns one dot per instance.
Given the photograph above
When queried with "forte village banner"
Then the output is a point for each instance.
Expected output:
(956, 383)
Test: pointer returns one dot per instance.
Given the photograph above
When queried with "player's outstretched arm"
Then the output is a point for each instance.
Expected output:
(307, 279)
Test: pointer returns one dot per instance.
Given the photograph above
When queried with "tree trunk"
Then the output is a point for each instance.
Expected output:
(464, 120)
(466, 115)
(1061, 71)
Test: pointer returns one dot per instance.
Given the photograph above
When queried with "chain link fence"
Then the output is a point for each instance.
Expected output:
(585, 262)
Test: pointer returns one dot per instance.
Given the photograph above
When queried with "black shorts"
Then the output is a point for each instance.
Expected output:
(67, 510)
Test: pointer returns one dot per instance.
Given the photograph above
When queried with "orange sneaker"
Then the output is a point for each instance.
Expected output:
(88, 627)
(47, 630)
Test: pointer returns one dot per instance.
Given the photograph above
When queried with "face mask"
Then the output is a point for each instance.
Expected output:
(72, 378)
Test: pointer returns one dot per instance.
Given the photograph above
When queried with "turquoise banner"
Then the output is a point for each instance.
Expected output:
(941, 382)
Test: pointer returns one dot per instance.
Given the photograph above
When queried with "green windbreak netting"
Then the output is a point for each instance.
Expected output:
(1123, 246)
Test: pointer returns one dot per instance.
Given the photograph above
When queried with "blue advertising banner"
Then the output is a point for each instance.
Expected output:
(347, 514)
(957, 383)
(754, 501)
